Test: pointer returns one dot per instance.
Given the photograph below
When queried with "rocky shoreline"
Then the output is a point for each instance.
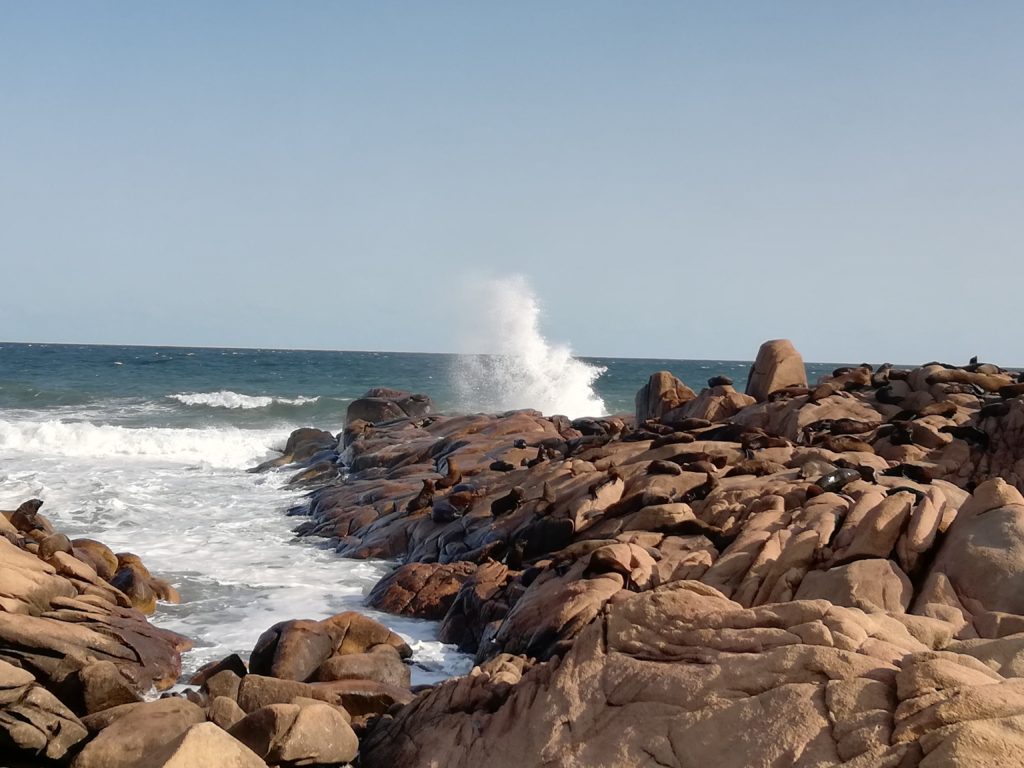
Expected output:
(816, 574)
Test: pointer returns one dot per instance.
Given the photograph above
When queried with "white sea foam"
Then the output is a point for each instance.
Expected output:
(222, 447)
(228, 399)
(521, 369)
(219, 535)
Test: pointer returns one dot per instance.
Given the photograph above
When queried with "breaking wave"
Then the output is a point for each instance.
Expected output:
(521, 369)
(228, 399)
(221, 447)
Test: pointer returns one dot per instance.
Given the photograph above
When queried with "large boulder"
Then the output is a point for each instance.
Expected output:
(978, 573)
(204, 745)
(420, 590)
(662, 393)
(381, 405)
(130, 740)
(872, 585)
(298, 734)
(778, 365)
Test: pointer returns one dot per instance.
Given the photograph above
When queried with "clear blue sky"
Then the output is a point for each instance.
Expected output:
(675, 179)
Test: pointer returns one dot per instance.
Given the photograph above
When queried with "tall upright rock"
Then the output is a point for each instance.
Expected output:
(778, 365)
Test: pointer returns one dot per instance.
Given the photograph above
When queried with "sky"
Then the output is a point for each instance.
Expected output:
(674, 179)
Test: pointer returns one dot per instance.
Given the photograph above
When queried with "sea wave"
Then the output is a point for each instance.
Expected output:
(228, 399)
(525, 370)
(219, 447)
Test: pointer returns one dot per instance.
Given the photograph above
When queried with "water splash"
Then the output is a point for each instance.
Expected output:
(520, 369)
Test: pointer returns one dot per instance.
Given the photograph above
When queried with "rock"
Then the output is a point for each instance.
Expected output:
(315, 734)
(420, 590)
(292, 650)
(686, 677)
(662, 393)
(33, 722)
(232, 662)
(103, 686)
(257, 691)
(132, 739)
(871, 585)
(204, 745)
(355, 633)
(778, 365)
(382, 663)
(981, 558)
(383, 405)
(224, 683)
(96, 554)
(225, 712)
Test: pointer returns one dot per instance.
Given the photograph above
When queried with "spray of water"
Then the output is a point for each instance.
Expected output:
(520, 368)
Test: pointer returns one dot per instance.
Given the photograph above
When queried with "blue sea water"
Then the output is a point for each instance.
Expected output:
(145, 449)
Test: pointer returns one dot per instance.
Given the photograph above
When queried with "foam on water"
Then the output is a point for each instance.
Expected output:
(228, 399)
(520, 368)
(180, 500)
(224, 447)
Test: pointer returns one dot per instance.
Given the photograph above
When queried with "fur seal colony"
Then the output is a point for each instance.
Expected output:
(803, 574)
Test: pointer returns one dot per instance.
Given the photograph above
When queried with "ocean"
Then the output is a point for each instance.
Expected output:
(145, 449)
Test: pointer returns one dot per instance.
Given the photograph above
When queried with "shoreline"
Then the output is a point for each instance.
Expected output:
(804, 574)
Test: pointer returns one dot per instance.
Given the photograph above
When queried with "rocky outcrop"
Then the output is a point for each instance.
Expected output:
(641, 594)
(778, 365)
(681, 675)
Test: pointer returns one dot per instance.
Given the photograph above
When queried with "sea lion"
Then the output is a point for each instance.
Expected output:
(443, 512)
(24, 517)
(842, 426)
(423, 499)
(994, 410)
(834, 481)
(501, 466)
(519, 443)
(673, 438)
(972, 435)
(787, 393)
(509, 502)
(887, 396)
(1011, 391)
(452, 477)
(914, 472)
(659, 467)
(702, 491)
(756, 467)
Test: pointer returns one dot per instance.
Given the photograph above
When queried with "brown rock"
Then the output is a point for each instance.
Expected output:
(204, 745)
(130, 739)
(316, 734)
(871, 585)
(292, 650)
(225, 712)
(103, 686)
(662, 393)
(421, 590)
(33, 722)
(778, 365)
(382, 663)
